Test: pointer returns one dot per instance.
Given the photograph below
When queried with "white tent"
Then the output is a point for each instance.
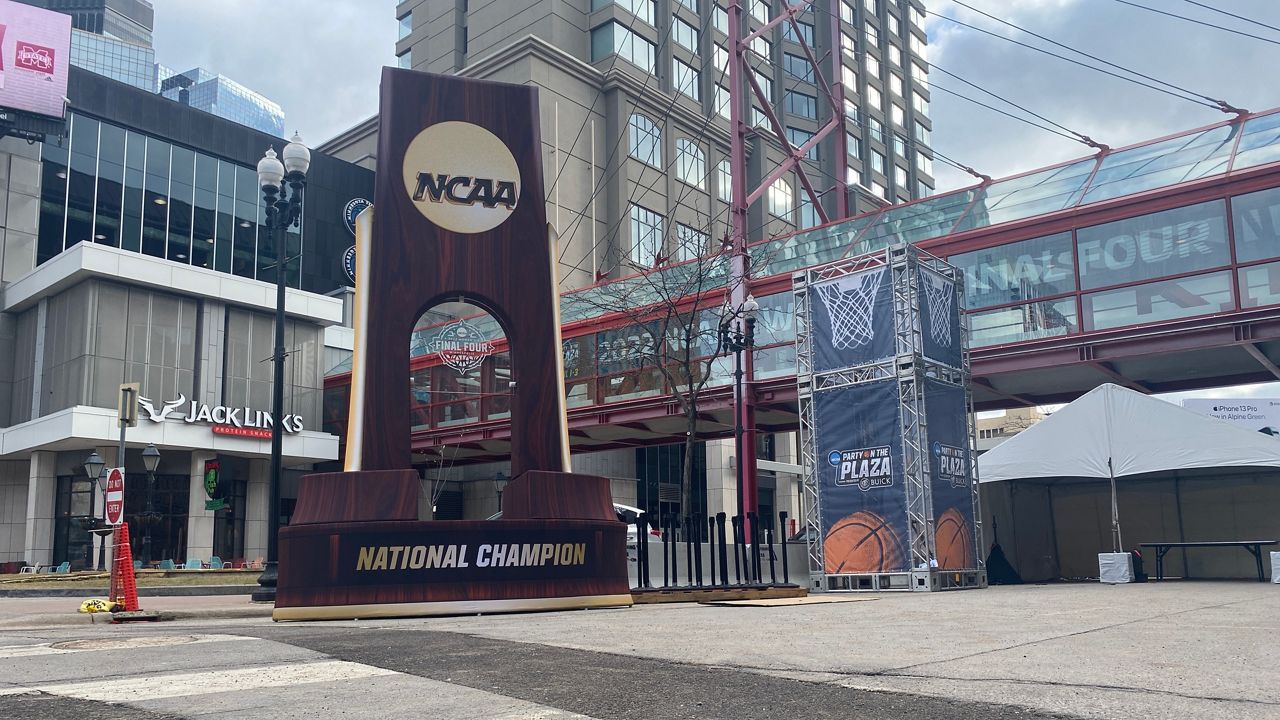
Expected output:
(1112, 432)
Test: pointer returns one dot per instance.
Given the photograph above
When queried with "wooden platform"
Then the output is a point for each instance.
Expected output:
(695, 595)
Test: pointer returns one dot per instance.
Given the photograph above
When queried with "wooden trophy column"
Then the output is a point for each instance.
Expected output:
(460, 215)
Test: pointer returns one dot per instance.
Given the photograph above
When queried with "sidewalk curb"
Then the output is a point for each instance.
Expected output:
(172, 591)
(27, 622)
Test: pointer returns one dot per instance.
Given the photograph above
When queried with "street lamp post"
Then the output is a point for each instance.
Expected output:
(151, 460)
(499, 484)
(283, 210)
(93, 466)
(738, 335)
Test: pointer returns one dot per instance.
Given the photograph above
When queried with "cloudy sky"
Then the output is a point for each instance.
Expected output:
(327, 79)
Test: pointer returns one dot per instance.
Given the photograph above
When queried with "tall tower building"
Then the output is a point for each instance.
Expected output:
(635, 111)
(127, 20)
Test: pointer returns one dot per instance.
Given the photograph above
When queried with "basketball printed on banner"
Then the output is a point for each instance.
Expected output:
(862, 542)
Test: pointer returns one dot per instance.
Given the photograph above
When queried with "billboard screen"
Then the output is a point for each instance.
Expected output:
(861, 491)
(1258, 414)
(35, 52)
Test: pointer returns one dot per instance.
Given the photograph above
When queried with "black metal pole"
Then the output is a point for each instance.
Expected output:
(149, 551)
(688, 549)
(711, 546)
(666, 537)
(675, 551)
(773, 569)
(753, 525)
(737, 549)
(782, 520)
(696, 527)
(737, 425)
(724, 552)
(277, 220)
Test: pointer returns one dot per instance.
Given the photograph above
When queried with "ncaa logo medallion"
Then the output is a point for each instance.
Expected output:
(461, 177)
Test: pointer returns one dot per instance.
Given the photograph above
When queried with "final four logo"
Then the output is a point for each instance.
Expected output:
(462, 346)
(867, 468)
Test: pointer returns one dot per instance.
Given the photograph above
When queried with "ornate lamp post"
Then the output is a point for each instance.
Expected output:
(93, 468)
(738, 335)
(150, 459)
(283, 210)
(499, 484)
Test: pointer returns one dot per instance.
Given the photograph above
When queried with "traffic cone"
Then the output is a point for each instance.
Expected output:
(124, 586)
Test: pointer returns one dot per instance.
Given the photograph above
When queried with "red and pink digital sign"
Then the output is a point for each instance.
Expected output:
(35, 52)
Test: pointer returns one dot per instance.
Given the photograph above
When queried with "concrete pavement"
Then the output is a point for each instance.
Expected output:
(1184, 650)
(38, 612)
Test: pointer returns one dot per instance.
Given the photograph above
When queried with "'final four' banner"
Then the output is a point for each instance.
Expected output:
(852, 319)
(861, 489)
(951, 475)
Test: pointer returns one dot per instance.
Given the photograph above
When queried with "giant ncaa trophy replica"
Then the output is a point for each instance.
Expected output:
(459, 214)
(886, 434)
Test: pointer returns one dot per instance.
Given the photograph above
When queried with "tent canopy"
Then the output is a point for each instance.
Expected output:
(1116, 430)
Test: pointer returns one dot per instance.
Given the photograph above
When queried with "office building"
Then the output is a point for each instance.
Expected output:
(128, 20)
(134, 250)
(224, 97)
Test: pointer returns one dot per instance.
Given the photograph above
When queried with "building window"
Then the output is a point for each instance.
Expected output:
(798, 138)
(806, 32)
(895, 55)
(781, 199)
(720, 19)
(406, 26)
(720, 57)
(852, 176)
(920, 103)
(760, 10)
(685, 34)
(763, 48)
(869, 6)
(646, 236)
(898, 115)
(915, 16)
(691, 243)
(919, 74)
(895, 84)
(800, 104)
(808, 214)
(891, 21)
(922, 133)
(849, 77)
(691, 164)
(924, 163)
(872, 65)
(691, 4)
(722, 101)
(797, 67)
(643, 9)
(854, 145)
(878, 190)
(899, 176)
(765, 82)
(848, 45)
(923, 190)
(685, 79)
(873, 35)
(404, 60)
(724, 187)
(873, 98)
(875, 129)
(615, 39)
(899, 146)
(847, 11)
(644, 140)
(877, 161)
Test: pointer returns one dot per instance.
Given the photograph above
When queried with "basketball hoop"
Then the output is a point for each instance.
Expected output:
(850, 303)
(938, 294)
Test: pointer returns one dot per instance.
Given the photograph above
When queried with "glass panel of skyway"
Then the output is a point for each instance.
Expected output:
(1036, 193)
(644, 289)
(1167, 162)
(1260, 143)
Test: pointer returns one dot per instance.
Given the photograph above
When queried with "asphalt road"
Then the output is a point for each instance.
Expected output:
(401, 670)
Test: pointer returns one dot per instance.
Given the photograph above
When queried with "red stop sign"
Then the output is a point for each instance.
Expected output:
(115, 496)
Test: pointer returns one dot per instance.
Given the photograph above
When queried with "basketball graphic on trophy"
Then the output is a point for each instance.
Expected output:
(862, 542)
(953, 540)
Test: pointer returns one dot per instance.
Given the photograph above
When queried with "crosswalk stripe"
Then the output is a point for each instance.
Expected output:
(155, 687)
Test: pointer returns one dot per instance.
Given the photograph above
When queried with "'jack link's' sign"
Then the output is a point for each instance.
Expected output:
(217, 415)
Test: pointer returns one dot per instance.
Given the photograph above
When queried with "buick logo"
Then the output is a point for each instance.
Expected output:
(461, 177)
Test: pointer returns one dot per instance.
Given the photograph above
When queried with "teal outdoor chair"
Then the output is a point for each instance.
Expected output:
(167, 565)
(64, 568)
(194, 564)
(215, 563)
(137, 565)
